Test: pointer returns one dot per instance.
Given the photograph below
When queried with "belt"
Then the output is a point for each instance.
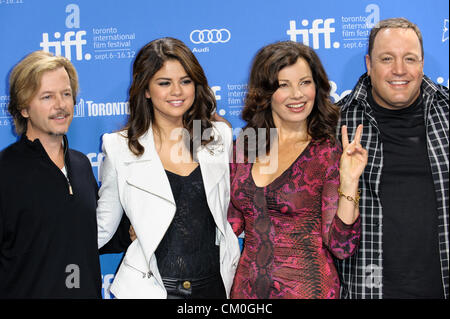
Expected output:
(188, 284)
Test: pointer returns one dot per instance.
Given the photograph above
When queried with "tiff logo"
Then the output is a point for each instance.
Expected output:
(70, 39)
(316, 30)
(67, 43)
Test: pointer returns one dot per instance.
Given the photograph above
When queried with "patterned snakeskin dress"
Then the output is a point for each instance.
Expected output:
(291, 228)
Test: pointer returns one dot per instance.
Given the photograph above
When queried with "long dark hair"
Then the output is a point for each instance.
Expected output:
(149, 60)
(263, 82)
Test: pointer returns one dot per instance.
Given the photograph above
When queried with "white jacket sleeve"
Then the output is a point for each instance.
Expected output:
(109, 208)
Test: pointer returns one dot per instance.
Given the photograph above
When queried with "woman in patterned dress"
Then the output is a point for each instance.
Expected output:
(293, 195)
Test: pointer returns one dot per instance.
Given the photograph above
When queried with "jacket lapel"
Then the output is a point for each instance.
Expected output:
(153, 205)
(147, 172)
(213, 167)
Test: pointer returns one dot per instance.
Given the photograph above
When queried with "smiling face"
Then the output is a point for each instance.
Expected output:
(50, 111)
(171, 91)
(293, 101)
(395, 67)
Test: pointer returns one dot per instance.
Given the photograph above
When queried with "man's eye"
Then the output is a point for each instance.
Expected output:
(411, 60)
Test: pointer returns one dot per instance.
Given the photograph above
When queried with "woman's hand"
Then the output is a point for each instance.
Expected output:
(132, 233)
(353, 162)
(353, 159)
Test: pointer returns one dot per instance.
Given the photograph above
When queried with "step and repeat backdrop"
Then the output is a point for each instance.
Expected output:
(102, 38)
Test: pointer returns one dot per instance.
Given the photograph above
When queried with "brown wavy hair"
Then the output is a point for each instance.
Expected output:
(263, 82)
(149, 60)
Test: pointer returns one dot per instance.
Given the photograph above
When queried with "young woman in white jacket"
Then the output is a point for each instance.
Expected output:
(168, 170)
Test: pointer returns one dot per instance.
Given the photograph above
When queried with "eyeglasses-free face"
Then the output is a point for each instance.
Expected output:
(395, 68)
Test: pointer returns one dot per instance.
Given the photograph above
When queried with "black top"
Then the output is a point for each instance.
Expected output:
(48, 237)
(411, 265)
(188, 249)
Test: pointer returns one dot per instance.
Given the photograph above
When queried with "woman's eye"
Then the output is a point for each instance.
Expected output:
(165, 83)
(186, 81)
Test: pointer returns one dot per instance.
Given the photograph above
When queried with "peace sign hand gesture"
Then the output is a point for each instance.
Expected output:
(353, 159)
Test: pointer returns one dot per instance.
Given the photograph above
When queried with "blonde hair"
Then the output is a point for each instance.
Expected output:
(25, 81)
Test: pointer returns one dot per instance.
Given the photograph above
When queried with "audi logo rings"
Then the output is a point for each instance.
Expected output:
(210, 36)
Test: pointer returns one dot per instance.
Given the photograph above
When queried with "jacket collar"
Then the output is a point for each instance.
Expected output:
(36, 145)
(145, 140)
(147, 172)
(359, 92)
(38, 150)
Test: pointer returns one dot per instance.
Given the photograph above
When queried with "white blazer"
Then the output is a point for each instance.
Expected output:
(140, 187)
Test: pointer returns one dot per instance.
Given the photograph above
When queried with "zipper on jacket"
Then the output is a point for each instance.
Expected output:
(144, 274)
(70, 186)
(65, 147)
